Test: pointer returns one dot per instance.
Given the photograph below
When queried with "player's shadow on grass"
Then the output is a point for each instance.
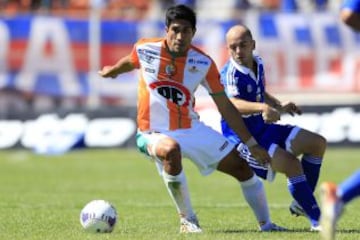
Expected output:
(357, 231)
(348, 231)
(299, 230)
(236, 231)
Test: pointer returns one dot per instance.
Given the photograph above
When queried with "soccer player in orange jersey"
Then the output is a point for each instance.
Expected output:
(171, 69)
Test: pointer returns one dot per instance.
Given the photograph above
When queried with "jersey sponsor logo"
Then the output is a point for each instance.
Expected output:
(201, 62)
(148, 52)
(149, 70)
(172, 91)
(146, 55)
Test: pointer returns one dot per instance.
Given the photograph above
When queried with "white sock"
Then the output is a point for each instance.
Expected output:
(253, 190)
(178, 190)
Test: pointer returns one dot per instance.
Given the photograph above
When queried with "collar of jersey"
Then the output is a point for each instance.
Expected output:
(241, 68)
(245, 70)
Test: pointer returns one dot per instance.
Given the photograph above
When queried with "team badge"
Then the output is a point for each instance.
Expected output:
(170, 69)
(249, 88)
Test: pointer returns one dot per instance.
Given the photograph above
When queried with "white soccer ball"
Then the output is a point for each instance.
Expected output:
(98, 216)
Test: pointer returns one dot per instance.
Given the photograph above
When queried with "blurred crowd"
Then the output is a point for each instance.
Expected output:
(140, 9)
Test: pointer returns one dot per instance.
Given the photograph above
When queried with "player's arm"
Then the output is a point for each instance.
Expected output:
(234, 119)
(123, 65)
(286, 107)
(248, 107)
(272, 101)
(269, 113)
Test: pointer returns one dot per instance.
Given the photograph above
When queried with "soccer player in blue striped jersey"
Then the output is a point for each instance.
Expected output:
(334, 197)
(244, 79)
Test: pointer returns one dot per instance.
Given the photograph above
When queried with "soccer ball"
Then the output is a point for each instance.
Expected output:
(98, 216)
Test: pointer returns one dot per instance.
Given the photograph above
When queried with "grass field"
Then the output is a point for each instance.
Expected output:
(41, 198)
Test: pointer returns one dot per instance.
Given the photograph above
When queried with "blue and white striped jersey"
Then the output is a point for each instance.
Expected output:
(241, 82)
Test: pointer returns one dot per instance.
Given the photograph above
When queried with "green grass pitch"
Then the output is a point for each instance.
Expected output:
(41, 198)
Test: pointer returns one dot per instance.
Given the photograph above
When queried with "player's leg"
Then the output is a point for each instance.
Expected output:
(285, 162)
(263, 171)
(279, 140)
(252, 188)
(312, 146)
(331, 207)
(350, 188)
(333, 198)
(167, 151)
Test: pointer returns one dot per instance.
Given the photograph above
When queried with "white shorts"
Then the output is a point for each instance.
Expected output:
(204, 146)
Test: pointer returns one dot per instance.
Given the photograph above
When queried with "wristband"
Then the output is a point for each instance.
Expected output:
(251, 142)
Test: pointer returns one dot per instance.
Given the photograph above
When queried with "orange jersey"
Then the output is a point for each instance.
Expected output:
(167, 85)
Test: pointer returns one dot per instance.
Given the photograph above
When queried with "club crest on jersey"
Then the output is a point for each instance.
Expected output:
(249, 88)
(170, 69)
(173, 92)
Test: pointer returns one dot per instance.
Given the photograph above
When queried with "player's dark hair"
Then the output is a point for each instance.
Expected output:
(182, 12)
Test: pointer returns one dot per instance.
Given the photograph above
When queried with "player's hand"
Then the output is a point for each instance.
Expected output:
(260, 154)
(107, 71)
(270, 114)
(291, 108)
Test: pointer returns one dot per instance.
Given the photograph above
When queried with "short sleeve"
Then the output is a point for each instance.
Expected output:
(229, 82)
(212, 83)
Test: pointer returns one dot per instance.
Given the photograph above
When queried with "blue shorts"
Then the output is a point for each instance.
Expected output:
(273, 136)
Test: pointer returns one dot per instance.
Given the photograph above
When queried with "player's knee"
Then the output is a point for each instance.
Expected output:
(242, 171)
(320, 145)
(235, 166)
(168, 149)
(169, 152)
(286, 163)
(323, 142)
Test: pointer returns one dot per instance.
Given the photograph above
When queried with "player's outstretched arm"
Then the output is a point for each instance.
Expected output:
(121, 66)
